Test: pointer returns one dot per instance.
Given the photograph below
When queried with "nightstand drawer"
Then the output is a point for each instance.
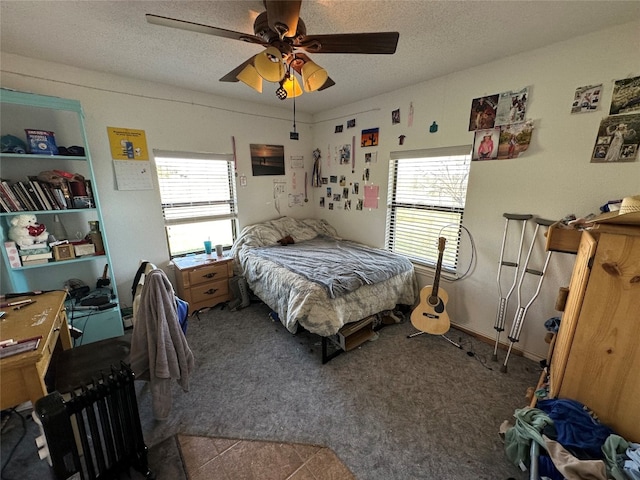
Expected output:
(203, 281)
(210, 291)
(207, 273)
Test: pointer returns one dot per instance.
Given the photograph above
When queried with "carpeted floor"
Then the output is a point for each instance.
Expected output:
(394, 408)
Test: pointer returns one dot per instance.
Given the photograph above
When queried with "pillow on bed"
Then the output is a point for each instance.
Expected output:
(259, 235)
(322, 227)
(298, 230)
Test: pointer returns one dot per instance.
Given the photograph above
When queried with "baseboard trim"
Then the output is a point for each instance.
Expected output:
(492, 342)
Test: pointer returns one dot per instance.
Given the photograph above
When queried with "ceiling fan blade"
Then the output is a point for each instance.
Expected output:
(283, 16)
(327, 84)
(232, 75)
(374, 43)
(199, 28)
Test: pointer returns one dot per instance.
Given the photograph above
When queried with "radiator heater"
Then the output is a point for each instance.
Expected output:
(96, 433)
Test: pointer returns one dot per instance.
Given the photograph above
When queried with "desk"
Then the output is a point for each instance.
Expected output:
(22, 375)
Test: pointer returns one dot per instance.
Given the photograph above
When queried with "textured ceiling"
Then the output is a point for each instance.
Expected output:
(436, 38)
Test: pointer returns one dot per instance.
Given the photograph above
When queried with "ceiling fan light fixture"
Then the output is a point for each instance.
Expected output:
(291, 85)
(269, 65)
(313, 76)
(249, 76)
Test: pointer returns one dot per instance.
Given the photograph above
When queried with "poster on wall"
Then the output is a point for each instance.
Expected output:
(626, 96)
(127, 144)
(485, 144)
(371, 193)
(130, 156)
(512, 107)
(483, 112)
(369, 137)
(267, 159)
(586, 99)
(618, 139)
(514, 139)
(345, 154)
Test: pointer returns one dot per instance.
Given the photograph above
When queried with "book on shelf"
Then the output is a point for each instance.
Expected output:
(23, 195)
(9, 196)
(66, 193)
(35, 198)
(41, 142)
(35, 185)
(44, 189)
(4, 206)
(58, 197)
(35, 246)
(33, 251)
(35, 256)
(40, 261)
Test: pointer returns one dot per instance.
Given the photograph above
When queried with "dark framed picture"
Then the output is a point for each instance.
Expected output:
(267, 159)
(369, 137)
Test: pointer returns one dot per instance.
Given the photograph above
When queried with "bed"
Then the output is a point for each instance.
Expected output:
(320, 282)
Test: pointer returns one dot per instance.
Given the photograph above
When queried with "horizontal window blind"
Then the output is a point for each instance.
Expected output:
(426, 201)
(196, 189)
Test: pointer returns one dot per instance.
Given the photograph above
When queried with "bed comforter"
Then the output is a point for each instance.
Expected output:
(321, 282)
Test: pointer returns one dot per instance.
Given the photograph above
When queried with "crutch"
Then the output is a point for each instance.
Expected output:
(504, 299)
(514, 333)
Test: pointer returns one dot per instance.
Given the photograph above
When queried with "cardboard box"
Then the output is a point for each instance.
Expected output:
(82, 249)
(12, 254)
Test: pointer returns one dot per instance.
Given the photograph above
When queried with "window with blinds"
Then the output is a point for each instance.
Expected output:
(427, 194)
(198, 198)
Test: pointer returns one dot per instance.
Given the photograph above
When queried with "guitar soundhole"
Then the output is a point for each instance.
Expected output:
(436, 303)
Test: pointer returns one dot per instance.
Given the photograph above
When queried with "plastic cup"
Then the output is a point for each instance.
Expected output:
(219, 250)
(207, 247)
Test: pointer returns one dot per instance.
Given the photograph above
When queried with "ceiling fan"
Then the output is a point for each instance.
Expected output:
(284, 35)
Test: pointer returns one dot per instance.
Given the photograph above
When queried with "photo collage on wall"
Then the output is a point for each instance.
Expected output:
(586, 99)
(618, 138)
(343, 191)
(499, 123)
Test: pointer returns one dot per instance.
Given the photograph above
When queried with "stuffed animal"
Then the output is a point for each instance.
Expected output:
(25, 230)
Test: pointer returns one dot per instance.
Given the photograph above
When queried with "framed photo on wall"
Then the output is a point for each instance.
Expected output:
(267, 159)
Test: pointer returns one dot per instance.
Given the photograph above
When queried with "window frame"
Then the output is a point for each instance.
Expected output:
(441, 224)
(232, 201)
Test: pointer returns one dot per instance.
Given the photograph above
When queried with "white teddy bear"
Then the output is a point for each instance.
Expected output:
(25, 230)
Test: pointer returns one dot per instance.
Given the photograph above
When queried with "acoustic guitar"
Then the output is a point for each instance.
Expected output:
(430, 316)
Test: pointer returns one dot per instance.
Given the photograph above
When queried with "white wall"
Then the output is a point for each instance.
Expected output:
(553, 178)
(173, 119)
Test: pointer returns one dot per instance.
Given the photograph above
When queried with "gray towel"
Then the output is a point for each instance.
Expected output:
(159, 349)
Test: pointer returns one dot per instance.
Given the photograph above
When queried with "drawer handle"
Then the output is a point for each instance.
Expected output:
(211, 291)
(209, 275)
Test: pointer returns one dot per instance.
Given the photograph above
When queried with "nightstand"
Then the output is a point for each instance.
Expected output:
(203, 280)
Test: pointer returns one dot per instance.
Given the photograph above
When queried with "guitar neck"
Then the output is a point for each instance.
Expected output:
(436, 279)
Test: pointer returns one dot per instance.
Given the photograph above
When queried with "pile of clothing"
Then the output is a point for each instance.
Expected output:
(574, 444)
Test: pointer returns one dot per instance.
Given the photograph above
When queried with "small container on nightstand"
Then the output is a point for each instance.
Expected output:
(203, 280)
